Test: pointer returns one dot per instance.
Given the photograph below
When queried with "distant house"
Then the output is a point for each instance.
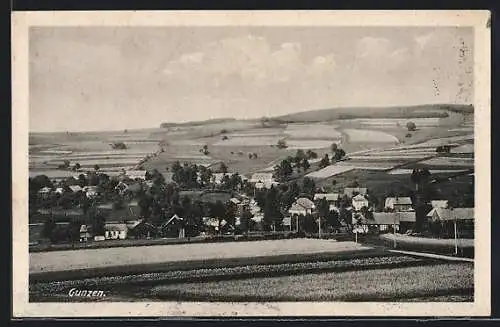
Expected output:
(359, 201)
(45, 191)
(459, 214)
(451, 221)
(59, 190)
(333, 207)
(381, 222)
(266, 178)
(141, 229)
(218, 178)
(136, 174)
(443, 204)
(75, 188)
(84, 233)
(115, 231)
(287, 222)
(91, 191)
(173, 227)
(331, 198)
(351, 191)
(121, 187)
(399, 203)
(267, 185)
(302, 206)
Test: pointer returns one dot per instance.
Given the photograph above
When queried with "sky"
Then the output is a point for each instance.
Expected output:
(112, 78)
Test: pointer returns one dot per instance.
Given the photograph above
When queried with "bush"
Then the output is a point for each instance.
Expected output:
(282, 144)
(408, 135)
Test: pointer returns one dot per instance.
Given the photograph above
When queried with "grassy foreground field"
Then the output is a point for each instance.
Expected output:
(392, 277)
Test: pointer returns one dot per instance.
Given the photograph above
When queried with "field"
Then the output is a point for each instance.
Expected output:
(282, 270)
(375, 139)
(100, 258)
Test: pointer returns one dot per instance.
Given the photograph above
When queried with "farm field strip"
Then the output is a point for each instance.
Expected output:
(330, 171)
(390, 157)
(466, 148)
(366, 135)
(95, 258)
(313, 131)
(448, 161)
(113, 161)
(432, 171)
(361, 285)
(307, 144)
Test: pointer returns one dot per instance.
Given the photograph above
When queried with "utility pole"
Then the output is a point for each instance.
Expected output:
(394, 231)
(319, 227)
(455, 230)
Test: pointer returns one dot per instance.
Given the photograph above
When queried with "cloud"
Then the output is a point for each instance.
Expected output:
(369, 47)
(250, 57)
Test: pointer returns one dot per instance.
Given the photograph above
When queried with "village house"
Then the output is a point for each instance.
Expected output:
(443, 204)
(75, 188)
(266, 178)
(44, 191)
(59, 190)
(399, 203)
(136, 174)
(359, 201)
(352, 191)
(173, 227)
(302, 206)
(218, 178)
(91, 191)
(331, 198)
(84, 233)
(461, 219)
(115, 231)
(379, 222)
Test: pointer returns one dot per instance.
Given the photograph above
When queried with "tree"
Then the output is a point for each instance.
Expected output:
(218, 211)
(339, 154)
(308, 185)
(205, 150)
(283, 170)
(305, 164)
(255, 155)
(411, 126)
(272, 213)
(245, 221)
(48, 228)
(96, 167)
(223, 168)
(408, 135)
(282, 144)
(76, 166)
(334, 147)
(311, 154)
(324, 162)
(323, 208)
(98, 224)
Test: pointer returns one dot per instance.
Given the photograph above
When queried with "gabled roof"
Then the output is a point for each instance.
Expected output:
(407, 216)
(385, 218)
(350, 190)
(439, 203)
(452, 214)
(305, 203)
(133, 174)
(390, 202)
(327, 196)
(296, 208)
(116, 227)
(174, 218)
(261, 177)
(235, 200)
(75, 188)
(359, 197)
(83, 229)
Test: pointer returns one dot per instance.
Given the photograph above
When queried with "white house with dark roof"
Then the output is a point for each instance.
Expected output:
(350, 191)
(399, 203)
(359, 201)
(266, 178)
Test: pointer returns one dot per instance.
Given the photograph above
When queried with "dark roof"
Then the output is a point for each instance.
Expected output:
(451, 214)
(350, 190)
